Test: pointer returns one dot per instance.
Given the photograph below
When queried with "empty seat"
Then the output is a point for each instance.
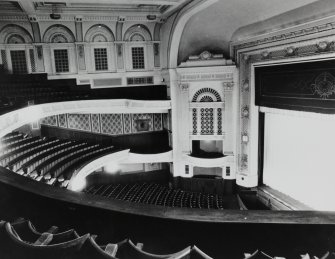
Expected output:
(128, 250)
(92, 250)
(257, 255)
(21, 249)
(193, 253)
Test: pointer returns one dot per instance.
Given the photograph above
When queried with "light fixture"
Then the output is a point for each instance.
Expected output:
(151, 17)
(55, 12)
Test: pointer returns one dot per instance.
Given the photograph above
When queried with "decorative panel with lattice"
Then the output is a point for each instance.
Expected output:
(50, 121)
(62, 120)
(139, 119)
(79, 122)
(207, 121)
(157, 119)
(127, 129)
(95, 120)
(111, 124)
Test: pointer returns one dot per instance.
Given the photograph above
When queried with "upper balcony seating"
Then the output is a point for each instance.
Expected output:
(5, 149)
(52, 161)
(30, 165)
(16, 91)
(11, 135)
(157, 194)
(15, 163)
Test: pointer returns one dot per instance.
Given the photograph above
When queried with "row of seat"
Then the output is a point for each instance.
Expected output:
(16, 90)
(158, 194)
(20, 239)
(48, 160)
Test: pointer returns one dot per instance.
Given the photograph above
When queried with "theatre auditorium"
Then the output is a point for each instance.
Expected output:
(177, 129)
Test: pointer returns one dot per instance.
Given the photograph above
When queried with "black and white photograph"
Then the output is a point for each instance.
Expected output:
(176, 129)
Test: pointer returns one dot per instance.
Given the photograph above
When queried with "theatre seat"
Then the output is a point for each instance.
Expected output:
(18, 248)
(128, 250)
(258, 255)
(91, 250)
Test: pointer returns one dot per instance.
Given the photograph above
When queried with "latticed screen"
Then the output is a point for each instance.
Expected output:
(61, 60)
(19, 63)
(138, 57)
(100, 57)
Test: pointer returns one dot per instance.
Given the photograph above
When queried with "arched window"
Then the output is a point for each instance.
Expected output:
(100, 36)
(137, 35)
(206, 95)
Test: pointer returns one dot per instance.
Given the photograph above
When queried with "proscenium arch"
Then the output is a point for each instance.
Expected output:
(99, 33)
(11, 31)
(139, 29)
(178, 26)
(58, 33)
(206, 95)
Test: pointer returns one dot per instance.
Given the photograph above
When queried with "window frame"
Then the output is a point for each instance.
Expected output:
(144, 57)
(107, 58)
(54, 60)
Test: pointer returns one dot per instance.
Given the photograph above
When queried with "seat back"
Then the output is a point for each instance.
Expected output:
(20, 249)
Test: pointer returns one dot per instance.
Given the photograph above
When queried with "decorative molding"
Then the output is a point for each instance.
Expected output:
(324, 85)
(58, 32)
(139, 29)
(33, 18)
(196, 76)
(184, 87)
(228, 86)
(245, 112)
(11, 31)
(284, 36)
(12, 18)
(245, 85)
(197, 97)
(99, 33)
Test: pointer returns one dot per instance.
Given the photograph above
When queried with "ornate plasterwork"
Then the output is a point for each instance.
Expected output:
(58, 33)
(10, 32)
(286, 36)
(324, 85)
(207, 59)
(184, 87)
(137, 29)
(207, 77)
(209, 92)
(99, 33)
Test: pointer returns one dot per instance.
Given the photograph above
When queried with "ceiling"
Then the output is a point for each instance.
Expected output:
(160, 8)
(215, 27)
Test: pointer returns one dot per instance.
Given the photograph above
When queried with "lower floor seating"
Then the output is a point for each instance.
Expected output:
(20, 239)
(163, 195)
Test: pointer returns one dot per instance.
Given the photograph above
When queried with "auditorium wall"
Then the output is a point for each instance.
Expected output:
(108, 124)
